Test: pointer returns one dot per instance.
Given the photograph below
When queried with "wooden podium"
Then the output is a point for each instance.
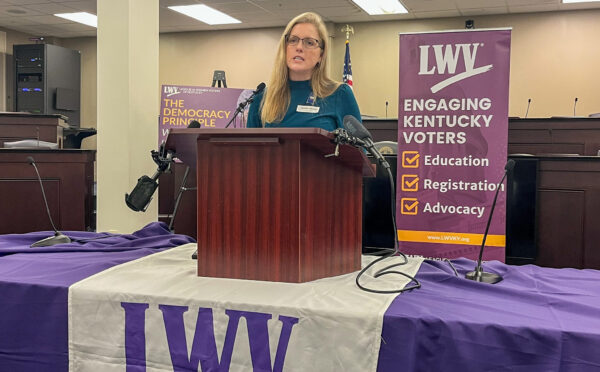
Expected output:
(271, 206)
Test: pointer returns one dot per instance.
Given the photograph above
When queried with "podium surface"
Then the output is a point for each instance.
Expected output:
(271, 205)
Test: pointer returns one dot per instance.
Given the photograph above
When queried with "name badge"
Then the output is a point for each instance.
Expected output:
(309, 109)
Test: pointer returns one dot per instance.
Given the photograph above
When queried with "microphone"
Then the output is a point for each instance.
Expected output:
(342, 136)
(141, 195)
(259, 88)
(574, 106)
(478, 274)
(528, 103)
(58, 237)
(243, 104)
(386, 107)
(194, 124)
(356, 129)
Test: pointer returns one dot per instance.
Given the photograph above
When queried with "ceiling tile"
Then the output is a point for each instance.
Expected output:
(337, 11)
(428, 5)
(531, 2)
(12, 22)
(167, 3)
(294, 6)
(532, 8)
(72, 27)
(17, 11)
(51, 8)
(85, 6)
(27, 2)
(437, 14)
(576, 6)
(44, 20)
(483, 11)
(237, 8)
(479, 4)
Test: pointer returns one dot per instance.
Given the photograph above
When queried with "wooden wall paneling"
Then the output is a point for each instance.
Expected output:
(560, 228)
(24, 211)
(68, 177)
(569, 211)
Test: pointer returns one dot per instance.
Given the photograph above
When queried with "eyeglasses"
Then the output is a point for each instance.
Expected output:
(308, 42)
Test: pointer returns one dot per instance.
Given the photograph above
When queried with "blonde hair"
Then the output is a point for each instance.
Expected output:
(276, 100)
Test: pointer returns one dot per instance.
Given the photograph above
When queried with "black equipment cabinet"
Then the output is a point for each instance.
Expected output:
(48, 80)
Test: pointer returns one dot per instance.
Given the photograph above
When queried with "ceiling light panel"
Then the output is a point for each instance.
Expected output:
(80, 17)
(381, 7)
(205, 14)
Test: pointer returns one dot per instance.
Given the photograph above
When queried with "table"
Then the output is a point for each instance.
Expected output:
(536, 319)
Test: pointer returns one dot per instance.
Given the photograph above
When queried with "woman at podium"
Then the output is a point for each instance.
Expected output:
(299, 93)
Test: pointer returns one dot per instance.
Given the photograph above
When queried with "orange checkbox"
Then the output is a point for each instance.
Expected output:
(410, 159)
(409, 206)
(410, 182)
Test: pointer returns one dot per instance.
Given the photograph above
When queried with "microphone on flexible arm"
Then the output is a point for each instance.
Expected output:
(58, 237)
(478, 274)
(356, 129)
(243, 104)
(342, 137)
(528, 103)
(141, 195)
(575, 105)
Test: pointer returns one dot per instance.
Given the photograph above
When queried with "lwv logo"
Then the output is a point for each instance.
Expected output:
(446, 59)
(171, 91)
(203, 351)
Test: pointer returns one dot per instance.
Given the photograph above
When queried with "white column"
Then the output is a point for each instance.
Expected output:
(128, 99)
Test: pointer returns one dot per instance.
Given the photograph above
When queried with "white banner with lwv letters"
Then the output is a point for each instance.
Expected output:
(156, 314)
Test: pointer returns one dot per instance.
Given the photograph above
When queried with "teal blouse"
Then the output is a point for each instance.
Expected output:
(331, 109)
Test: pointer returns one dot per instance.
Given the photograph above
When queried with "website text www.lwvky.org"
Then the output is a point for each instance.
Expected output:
(449, 238)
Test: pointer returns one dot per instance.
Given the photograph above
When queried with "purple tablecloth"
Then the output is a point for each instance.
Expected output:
(34, 286)
(536, 319)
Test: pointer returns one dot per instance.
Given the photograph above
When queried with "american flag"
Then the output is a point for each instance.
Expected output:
(347, 78)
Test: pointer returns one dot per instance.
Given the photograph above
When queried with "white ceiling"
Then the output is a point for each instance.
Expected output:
(35, 17)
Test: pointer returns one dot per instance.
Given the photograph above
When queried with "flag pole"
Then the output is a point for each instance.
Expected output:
(347, 75)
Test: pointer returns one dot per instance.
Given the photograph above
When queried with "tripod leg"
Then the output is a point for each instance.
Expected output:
(181, 190)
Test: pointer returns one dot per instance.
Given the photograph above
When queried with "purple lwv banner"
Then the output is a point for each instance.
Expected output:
(452, 141)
